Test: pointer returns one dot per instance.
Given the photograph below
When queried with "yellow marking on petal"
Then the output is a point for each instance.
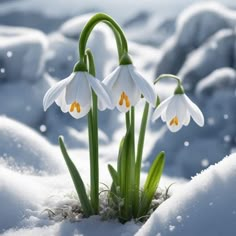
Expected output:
(121, 99)
(72, 106)
(78, 108)
(174, 121)
(75, 105)
(124, 97)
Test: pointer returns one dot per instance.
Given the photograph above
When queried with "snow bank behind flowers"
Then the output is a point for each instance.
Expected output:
(205, 206)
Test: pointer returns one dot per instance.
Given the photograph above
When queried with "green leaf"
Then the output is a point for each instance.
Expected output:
(151, 183)
(114, 194)
(77, 180)
(113, 174)
(127, 175)
(121, 177)
(119, 160)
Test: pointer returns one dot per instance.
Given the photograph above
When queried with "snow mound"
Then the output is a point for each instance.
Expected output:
(208, 198)
(18, 193)
(219, 78)
(21, 53)
(23, 149)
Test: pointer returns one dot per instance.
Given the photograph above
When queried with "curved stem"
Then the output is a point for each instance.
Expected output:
(167, 76)
(117, 38)
(101, 17)
(93, 141)
(179, 89)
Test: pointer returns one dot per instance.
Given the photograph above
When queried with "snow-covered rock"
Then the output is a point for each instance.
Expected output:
(217, 53)
(220, 78)
(204, 206)
(23, 101)
(195, 26)
(21, 53)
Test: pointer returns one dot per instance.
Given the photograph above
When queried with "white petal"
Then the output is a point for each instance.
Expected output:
(143, 85)
(174, 128)
(181, 108)
(171, 109)
(125, 83)
(102, 105)
(53, 93)
(187, 119)
(84, 111)
(163, 115)
(61, 102)
(194, 111)
(100, 91)
(111, 78)
(161, 108)
(79, 90)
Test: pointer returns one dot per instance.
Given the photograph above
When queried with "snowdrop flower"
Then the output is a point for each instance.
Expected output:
(74, 94)
(176, 112)
(126, 86)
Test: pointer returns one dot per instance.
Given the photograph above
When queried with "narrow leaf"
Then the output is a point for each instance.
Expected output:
(119, 160)
(113, 174)
(151, 183)
(77, 180)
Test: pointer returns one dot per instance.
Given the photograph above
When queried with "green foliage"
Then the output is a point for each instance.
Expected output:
(151, 184)
(124, 179)
(125, 199)
(77, 180)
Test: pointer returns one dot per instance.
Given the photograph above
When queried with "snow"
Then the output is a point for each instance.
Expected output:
(20, 150)
(204, 206)
(197, 43)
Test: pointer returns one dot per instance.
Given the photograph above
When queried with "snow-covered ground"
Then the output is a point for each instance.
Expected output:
(197, 43)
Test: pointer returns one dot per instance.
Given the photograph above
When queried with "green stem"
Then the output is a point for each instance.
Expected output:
(129, 169)
(139, 157)
(117, 38)
(101, 17)
(93, 141)
(127, 120)
(133, 127)
(179, 89)
(167, 76)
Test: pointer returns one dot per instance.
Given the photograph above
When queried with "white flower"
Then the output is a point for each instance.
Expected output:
(126, 86)
(74, 94)
(176, 111)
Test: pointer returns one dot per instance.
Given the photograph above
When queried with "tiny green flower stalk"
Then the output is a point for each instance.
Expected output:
(82, 94)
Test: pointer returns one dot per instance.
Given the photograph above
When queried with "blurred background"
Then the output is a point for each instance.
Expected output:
(193, 39)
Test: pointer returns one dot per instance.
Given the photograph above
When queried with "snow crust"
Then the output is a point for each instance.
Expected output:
(204, 206)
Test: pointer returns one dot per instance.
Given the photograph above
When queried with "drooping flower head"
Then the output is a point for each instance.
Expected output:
(177, 111)
(74, 94)
(127, 85)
